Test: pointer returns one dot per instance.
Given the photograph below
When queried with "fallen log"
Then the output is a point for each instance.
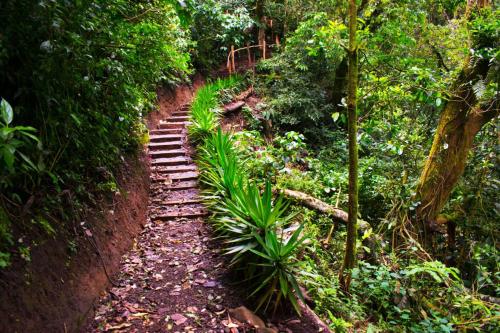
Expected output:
(321, 206)
(244, 95)
(308, 312)
(233, 106)
(339, 215)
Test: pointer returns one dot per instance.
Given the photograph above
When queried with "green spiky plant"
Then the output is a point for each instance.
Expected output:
(251, 223)
(204, 111)
(248, 213)
(204, 115)
(220, 166)
(275, 258)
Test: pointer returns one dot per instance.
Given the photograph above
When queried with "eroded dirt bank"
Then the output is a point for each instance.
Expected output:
(55, 292)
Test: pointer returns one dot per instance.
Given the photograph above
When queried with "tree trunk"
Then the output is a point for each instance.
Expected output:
(261, 35)
(352, 86)
(460, 121)
(462, 118)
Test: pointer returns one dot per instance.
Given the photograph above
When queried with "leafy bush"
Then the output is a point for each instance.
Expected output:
(84, 74)
(297, 81)
(252, 224)
(216, 25)
(12, 140)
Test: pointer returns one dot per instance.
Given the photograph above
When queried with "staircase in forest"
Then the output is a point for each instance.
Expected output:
(173, 277)
(173, 174)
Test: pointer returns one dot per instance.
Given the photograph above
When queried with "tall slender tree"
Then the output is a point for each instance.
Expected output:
(352, 87)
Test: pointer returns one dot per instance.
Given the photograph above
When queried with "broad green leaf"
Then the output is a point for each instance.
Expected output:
(335, 116)
(6, 112)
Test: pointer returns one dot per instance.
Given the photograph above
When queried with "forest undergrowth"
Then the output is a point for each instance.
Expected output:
(80, 77)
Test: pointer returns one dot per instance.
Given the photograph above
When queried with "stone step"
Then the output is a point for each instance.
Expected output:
(183, 213)
(181, 124)
(165, 137)
(165, 145)
(166, 131)
(177, 177)
(178, 118)
(177, 186)
(181, 202)
(180, 113)
(181, 160)
(176, 169)
(167, 153)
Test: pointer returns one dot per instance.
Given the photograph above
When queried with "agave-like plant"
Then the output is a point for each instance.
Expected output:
(275, 277)
(259, 211)
(222, 170)
(203, 123)
(248, 213)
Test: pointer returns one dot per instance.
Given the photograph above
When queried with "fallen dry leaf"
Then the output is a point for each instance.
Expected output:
(178, 319)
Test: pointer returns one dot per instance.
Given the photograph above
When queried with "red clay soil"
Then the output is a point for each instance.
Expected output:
(175, 277)
(55, 291)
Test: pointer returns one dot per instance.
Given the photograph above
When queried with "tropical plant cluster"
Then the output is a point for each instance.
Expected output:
(77, 79)
(257, 229)
(396, 290)
(414, 58)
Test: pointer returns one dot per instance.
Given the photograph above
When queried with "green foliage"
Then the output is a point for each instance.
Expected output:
(12, 140)
(204, 111)
(216, 26)
(252, 224)
(277, 263)
(297, 80)
(221, 169)
(84, 74)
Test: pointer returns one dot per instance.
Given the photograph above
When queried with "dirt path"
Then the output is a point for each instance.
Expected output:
(173, 278)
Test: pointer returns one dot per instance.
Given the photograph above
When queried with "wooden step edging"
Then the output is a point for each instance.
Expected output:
(167, 125)
(165, 145)
(171, 161)
(167, 153)
(178, 177)
(165, 137)
(182, 202)
(177, 169)
(182, 214)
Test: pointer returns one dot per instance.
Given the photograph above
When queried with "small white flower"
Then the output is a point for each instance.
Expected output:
(46, 46)
(121, 118)
(445, 146)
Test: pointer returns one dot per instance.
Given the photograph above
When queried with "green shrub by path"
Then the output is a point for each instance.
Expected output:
(83, 74)
(204, 108)
(256, 228)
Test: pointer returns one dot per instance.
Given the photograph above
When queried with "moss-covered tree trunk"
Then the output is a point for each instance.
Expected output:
(261, 19)
(352, 87)
(460, 121)
(462, 118)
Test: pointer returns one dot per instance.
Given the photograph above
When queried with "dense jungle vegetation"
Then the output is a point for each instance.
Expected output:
(386, 110)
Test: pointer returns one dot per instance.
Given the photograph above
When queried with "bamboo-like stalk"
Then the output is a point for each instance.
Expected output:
(352, 87)
(249, 55)
(232, 58)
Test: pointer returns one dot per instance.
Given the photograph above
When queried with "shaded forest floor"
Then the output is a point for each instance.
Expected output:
(175, 277)
(172, 276)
